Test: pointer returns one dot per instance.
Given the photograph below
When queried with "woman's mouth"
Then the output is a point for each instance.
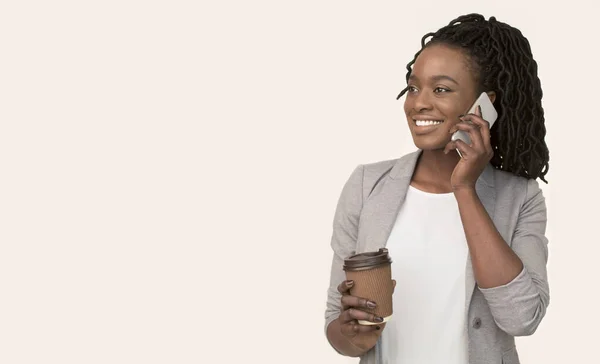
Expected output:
(426, 126)
(428, 122)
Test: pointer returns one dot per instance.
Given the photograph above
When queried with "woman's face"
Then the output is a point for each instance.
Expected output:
(441, 87)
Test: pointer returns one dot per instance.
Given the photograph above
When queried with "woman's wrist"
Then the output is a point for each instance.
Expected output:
(344, 345)
(464, 190)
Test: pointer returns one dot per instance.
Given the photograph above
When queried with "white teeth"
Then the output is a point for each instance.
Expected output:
(427, 122)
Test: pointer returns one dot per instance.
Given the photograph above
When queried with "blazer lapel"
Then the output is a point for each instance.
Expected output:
(380, 210)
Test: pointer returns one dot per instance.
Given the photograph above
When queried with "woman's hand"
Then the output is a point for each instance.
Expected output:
(352, 312)
(363, 337)
(476, 156)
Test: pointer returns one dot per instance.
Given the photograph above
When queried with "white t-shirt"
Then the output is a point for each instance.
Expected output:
(429, 253)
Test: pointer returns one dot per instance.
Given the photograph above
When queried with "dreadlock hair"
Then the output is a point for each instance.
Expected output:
(502, 60)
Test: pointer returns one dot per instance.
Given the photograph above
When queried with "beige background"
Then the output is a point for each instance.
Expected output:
(170, 170)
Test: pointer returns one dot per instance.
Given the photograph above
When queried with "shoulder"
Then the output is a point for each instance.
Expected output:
(374, 172)
(378, 169)
(365, 177)
(518, 189)
(506, 181)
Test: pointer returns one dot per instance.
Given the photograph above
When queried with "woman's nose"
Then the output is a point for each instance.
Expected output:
(422, 101)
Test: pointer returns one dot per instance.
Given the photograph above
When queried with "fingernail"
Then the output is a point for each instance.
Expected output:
(350, 283)
(379, 319)
(371, 304)
(377, 327)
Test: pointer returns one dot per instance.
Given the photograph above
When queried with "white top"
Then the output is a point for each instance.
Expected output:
(429, 252)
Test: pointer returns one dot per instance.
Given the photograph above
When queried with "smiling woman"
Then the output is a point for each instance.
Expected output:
(466, 287)
(493, 57)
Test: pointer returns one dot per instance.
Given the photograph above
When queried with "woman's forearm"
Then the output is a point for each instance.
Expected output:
(494, 262)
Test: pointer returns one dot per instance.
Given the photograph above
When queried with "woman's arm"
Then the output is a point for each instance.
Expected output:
(343, 337)
(494, 262)
(512, 279)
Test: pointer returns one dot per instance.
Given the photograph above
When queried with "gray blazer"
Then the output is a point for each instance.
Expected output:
(366, 213)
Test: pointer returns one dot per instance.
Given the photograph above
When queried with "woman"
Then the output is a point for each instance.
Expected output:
(439, 213)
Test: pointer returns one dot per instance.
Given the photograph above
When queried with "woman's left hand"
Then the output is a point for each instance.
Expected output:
(476, 156)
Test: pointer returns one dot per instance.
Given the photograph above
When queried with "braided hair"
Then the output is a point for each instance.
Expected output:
(502, 62)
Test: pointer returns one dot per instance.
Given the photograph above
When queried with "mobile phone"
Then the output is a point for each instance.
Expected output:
(488, 113)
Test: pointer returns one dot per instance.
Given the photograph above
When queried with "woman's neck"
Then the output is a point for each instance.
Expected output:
(433, 171)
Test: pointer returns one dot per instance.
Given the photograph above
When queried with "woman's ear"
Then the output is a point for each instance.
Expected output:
(492, 95)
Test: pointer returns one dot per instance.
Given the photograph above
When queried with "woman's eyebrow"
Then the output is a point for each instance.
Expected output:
(436, 78)
(443, 77)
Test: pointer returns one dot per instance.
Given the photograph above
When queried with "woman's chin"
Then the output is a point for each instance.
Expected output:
(431, 145)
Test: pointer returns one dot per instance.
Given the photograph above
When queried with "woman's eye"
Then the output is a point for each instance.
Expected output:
(411, 89)
(441, 89)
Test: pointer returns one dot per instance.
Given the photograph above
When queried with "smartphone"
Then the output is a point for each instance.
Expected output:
(488, 113)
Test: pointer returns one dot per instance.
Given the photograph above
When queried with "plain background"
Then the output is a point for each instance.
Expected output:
(170, 169)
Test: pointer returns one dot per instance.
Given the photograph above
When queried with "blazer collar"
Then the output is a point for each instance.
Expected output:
(380, 209)
(405, 168)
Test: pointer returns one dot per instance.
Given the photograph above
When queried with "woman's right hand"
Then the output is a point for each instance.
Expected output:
(352, 311)
(345, 333)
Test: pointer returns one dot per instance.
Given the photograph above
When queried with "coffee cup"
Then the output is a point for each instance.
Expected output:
(372, 276)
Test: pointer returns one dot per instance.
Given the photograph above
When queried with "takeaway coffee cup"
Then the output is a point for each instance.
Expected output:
(372, 276)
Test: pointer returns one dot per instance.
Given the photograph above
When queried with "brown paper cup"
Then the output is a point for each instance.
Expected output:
(372, 276)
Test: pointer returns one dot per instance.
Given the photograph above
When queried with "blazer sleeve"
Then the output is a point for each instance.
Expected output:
(519, 306)
(343, 240)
